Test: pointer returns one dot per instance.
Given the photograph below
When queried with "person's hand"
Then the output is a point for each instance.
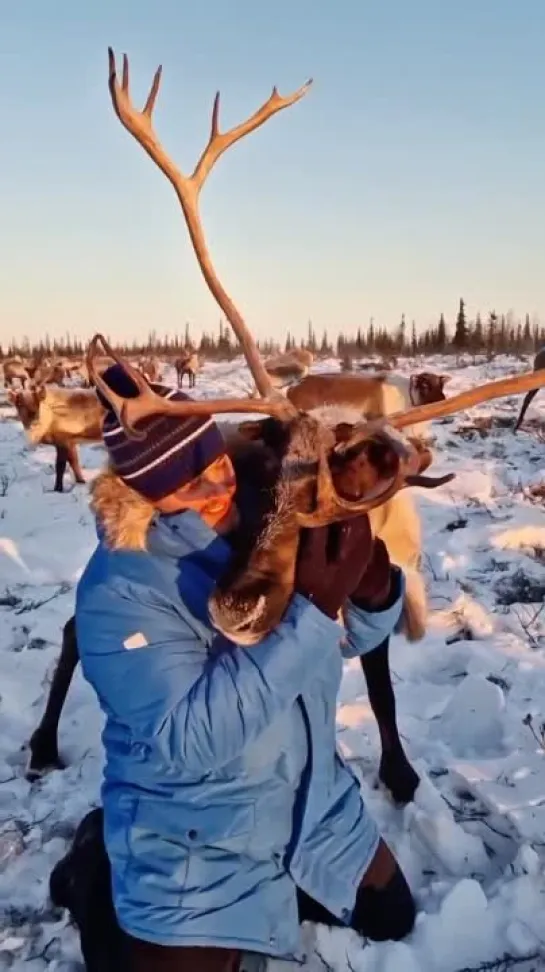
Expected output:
(332, 561)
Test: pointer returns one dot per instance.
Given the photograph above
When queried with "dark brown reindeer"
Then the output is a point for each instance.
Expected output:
(539, 365)
(315, 470)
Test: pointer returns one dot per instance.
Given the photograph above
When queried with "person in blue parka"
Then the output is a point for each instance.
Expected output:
(229, 816)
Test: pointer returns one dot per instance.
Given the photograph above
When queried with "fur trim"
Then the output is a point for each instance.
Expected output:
(124, 515)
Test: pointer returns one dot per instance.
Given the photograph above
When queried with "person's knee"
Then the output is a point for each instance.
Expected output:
(385, 913)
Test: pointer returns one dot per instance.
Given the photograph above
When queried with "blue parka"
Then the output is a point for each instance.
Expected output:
(222, 786)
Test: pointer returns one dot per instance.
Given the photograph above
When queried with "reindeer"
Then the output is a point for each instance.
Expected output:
(187, 364)
(296, 470)
(48, 373)
(82, 370)
(539, 365)
(15, 369)
(61, 417)
(149, 366)
(372, 396)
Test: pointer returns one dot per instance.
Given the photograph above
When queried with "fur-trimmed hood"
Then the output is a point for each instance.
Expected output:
(123, 516)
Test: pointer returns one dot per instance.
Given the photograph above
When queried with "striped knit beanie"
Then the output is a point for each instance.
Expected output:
(174, 451)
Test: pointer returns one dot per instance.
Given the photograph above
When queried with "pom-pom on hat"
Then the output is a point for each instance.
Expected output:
(175, 450)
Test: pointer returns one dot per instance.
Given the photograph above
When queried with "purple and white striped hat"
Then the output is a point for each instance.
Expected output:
(174, 450)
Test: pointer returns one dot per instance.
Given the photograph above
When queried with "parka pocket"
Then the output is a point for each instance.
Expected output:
(165, 838)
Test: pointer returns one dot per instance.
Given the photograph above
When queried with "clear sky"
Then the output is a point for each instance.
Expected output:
(412, 174)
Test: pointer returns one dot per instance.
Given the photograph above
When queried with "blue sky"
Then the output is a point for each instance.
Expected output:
(412, 174)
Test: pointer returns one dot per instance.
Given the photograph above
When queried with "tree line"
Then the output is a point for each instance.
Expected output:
(495, 334)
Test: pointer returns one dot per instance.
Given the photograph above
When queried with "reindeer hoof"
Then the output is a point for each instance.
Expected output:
(398, 776)
(42, 760)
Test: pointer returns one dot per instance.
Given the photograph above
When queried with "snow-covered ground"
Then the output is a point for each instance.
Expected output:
(471, 701)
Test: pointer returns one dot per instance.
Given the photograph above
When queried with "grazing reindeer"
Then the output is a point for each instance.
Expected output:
(61, 417)
(149, 366)
(312, 471)
(539, 365)
(82, 370)
(187, 364)
(14, 369)
(48, 372)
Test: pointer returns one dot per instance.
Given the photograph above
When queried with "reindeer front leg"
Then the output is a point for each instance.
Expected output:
(395, 772)
(528, 399)
(43, 745)
(61, 458)
(371, 616)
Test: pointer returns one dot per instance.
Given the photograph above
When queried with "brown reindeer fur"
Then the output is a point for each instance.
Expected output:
(288, 367)
(187, 364)
(396, 522)
(292, 481)
(62, 415)
(373, 395)
(302, 355)
(150, 369)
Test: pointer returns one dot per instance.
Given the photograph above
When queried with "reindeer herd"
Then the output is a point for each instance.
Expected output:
(330, 446)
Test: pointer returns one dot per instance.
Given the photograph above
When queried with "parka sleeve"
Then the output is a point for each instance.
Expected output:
(201, 707)
(366, 630)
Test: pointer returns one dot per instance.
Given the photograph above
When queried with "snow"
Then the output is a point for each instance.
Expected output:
(471, 700)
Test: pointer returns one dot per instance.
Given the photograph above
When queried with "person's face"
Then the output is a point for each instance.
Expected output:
(211, 495)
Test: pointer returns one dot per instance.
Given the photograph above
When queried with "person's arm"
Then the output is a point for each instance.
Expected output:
(202, 707)
(375, 606)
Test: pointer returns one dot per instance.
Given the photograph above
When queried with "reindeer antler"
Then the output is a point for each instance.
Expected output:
(187, 188)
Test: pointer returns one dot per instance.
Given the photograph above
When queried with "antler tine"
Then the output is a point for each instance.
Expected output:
(187, 188)
(147, 402)
(220, 141)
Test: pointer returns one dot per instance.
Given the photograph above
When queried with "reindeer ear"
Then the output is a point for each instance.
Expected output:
(40, 392)
(444, 379)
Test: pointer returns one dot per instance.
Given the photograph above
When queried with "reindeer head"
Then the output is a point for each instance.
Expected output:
(427, 388)
(27, 404)
(315, 472)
